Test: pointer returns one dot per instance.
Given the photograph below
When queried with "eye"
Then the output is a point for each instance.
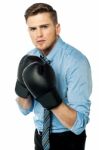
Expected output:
(32, 28)
(44, 26)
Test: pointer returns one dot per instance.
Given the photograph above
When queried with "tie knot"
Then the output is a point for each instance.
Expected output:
(45, 59)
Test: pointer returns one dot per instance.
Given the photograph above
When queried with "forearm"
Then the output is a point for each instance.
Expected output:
(25, 104)
(65, 114)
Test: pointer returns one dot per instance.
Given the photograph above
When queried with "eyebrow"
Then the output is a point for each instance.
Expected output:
(39, 26)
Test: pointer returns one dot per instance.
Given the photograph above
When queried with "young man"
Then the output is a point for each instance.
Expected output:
(70, 109)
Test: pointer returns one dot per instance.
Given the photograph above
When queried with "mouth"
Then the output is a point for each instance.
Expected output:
(40, 42)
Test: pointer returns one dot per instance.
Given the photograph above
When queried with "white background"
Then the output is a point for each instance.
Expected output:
(79, 21)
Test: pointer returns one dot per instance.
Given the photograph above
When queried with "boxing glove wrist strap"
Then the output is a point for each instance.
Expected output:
(21, 90)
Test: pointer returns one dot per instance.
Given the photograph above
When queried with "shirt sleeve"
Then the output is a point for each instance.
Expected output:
(79, 91)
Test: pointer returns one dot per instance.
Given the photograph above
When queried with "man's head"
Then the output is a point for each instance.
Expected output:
(43, 26)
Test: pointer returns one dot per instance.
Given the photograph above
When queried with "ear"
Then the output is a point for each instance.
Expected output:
(58, 29)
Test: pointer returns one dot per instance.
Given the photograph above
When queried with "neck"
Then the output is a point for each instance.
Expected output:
(47, 50)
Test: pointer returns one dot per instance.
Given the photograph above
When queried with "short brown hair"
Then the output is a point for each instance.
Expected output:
(41, 8)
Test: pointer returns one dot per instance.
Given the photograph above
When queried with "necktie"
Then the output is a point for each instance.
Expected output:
(46, 130)
(47, 119)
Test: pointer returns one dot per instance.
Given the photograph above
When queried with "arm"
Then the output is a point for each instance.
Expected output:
(25, 99)
(25, 104)
(75, 114)
(65, 114)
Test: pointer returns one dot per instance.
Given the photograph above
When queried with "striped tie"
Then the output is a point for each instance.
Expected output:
(46, 130)
(47, 119)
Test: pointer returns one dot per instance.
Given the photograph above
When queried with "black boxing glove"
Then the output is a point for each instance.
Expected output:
(20, 87)
(40, 81)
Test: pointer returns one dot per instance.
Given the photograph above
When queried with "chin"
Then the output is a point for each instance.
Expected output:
(41, 48)
(44, 50)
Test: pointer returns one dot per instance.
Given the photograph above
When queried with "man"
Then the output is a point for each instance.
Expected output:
(71, 108)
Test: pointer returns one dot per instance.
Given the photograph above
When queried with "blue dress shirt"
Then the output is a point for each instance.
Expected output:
(74, 84)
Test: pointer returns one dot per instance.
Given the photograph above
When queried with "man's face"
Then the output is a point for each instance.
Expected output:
(43, 31)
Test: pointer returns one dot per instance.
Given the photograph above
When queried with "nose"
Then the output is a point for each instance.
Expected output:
(39, 32)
